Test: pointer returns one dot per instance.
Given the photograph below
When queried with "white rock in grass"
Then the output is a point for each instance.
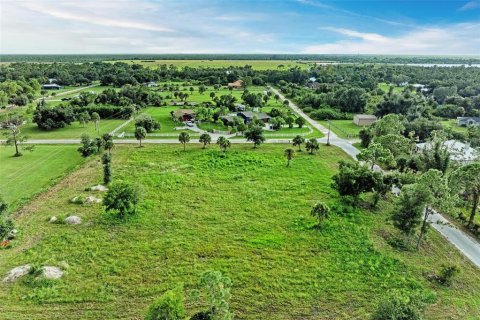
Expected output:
(92, 199)
(17, 272)
(73, 220)
(50, 272)
(99, 188)
(53, 219)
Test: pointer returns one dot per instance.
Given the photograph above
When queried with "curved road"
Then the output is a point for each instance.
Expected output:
(462, 241)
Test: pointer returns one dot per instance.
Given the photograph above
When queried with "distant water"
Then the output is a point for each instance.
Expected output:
(428, 65)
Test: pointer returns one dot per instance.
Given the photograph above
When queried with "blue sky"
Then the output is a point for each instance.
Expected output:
(245, 26)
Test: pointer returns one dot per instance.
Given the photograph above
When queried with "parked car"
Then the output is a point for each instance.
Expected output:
(66, 99)
(189, 124)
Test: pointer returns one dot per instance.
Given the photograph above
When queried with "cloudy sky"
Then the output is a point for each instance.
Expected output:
(242, 26)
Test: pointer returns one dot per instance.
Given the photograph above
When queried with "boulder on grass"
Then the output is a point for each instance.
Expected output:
(92, 199)
(17, 272)
(73, 220)
(99, 188)
(50, 272)
(53, 219)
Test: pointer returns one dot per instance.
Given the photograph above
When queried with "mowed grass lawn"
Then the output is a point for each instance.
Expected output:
(22, 177)
(343, 128)
(452, 124)
(243, 213)
(256, 64)
(72, 131)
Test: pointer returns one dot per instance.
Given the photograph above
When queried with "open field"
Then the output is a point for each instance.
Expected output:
(22, 177)
(74, 130)
(452, 124)
(256, 64)
(343, 128)
(386, 87)
(243, 213)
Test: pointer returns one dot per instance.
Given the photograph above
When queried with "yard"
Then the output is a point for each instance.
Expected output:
(22, 177)
(72, 131)
(452, 124)
(243, 213)
(343, 128)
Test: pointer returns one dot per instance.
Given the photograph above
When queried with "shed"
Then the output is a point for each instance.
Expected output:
(364, 119)
(51, 86)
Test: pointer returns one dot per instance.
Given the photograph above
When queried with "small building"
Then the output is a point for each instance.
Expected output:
(236, 84)
(364, 119)
(248, 116)
(51, 86)
(184, 114)
(312, 85)
(468, 121)
(240, 107)
(228, 120)
(150, 84)
(459, 151)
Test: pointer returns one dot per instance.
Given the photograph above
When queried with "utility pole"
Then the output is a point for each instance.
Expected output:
(328, 136)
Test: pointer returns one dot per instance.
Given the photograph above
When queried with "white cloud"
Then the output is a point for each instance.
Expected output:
(470, 5)
(455, 39)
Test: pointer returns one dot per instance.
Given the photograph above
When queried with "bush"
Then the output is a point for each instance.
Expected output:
(168, 307)
(122, 199)
(403, 306)
(147, 122)
(328, 114)
(447, 275)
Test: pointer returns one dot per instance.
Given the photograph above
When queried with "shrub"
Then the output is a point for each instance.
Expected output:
(147, 122)
(447, 274)
(122, 199)
(403, 306)
(168, 307)
(327, 114)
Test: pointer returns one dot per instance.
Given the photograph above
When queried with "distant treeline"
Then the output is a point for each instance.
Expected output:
(294, 57)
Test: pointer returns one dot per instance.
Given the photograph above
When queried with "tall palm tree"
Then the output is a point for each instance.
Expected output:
(184, 138)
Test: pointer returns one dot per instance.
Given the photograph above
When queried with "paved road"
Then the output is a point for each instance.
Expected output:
(64, 93)
(462, 241)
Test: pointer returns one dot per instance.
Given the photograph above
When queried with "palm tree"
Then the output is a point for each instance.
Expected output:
(184, 138)
(289, 154)
(312, 145)
(205, 138)
(223, 143)
(297, 141)
(320, 211)
(140, 134)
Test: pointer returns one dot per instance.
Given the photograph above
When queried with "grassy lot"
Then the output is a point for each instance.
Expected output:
(452, 124)
(162, 115)
(243, 213)
(256, 64)
(22, 177)
(386, 87)
(75, 130)
(343, 128)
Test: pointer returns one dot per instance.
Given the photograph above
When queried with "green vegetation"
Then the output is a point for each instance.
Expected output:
(255, 64)
(343, 128)
(260, 235)
(22, 177)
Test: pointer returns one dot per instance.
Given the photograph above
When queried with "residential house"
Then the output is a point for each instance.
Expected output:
(468, 121)
(236, 84)
(248, 116)
(184, 114)
(364, 119)
(51, 86)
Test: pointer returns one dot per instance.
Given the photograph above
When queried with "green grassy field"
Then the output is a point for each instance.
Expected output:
(73, 131)
(243, 213)
(22, 177)
(343, 128)
(256, 64)
(386, 87)
(452, 124)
